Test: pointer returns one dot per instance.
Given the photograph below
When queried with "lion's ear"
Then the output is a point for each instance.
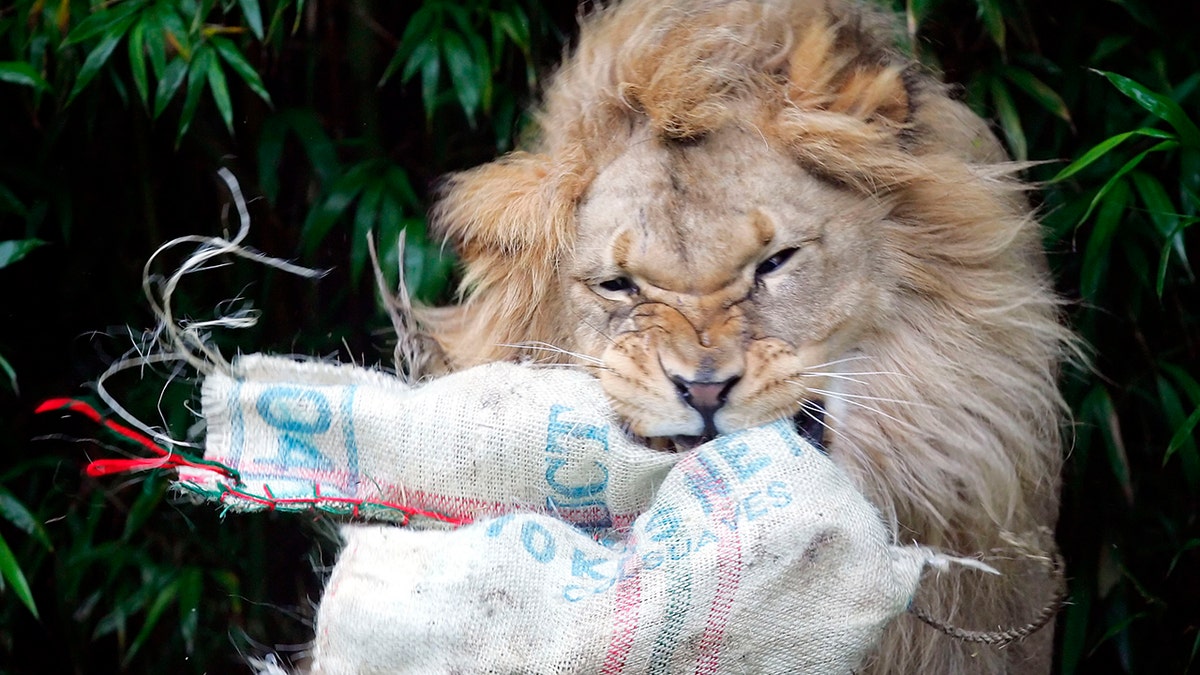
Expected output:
(510, 222)
(831, 68)
(511, 206)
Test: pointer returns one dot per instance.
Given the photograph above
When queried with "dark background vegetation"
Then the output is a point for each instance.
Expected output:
(337, 118)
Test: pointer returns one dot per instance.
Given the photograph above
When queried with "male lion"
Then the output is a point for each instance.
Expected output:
(737, 211)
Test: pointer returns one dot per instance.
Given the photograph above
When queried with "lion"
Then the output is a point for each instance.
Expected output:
(739, 211)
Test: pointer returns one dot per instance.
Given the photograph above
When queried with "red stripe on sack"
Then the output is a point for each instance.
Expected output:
(729, 575)
(625, 622)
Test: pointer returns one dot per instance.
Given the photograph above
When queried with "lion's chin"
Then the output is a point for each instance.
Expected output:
(809, 422)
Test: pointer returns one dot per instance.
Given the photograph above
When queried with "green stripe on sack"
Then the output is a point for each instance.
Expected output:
(678, 606)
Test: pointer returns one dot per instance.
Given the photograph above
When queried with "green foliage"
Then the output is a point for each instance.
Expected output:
(180, 47)
(469, 41)
(117, 108)
(337, 120)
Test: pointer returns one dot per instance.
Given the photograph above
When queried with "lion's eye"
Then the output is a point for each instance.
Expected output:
(618, 285)
(774, 262)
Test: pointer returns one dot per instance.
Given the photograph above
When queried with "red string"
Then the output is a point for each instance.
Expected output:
(165, 459)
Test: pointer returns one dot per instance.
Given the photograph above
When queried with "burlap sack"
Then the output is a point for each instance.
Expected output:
(490, 440)
(576, 550)
(756, 556)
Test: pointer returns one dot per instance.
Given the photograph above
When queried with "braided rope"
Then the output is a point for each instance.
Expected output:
(1005, 637)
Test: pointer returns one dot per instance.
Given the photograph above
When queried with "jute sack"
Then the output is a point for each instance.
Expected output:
(576, 550)
(292, 435)
(756, 556)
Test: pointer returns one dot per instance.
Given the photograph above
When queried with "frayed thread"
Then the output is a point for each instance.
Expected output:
(184, 341)
(267, 665)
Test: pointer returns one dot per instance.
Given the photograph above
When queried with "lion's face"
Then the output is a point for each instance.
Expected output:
(720, 285)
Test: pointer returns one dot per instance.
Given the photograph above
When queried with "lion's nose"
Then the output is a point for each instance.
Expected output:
(706, 398)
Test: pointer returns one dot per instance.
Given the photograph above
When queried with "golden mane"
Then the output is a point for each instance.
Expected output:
(962, 446)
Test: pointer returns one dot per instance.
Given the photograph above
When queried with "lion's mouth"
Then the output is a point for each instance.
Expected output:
(809, 423)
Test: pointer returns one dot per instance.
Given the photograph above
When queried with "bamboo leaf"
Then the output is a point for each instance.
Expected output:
(172, 77)
(1103, 148)
(1096, 256)
(10, 374)
(1187, 546)
(9, 203)
(1182, 440)
(1163, 215)
(154, 36)
(1109, 46)
(993, 20)
(1159, 206)
(23, 74)
(1075, 628)
(14, 249)
(365, 217)
(137, 62)
(1183, 437)
(516, 27)
(431, 73)
(341, 194)
(391, 227)
(197, 77)
(1100, 411)
(220, 92)
(271, 139)
(465, 74)
(16, 513)
(253, 14)
(143, 507)
(102, 22)
(229, 52)
(129, 605)
(418, 32)
(1119, 175)
(1158, 105)
(505, 25)
(1010, 120)
(424, 265)
(401, 187)
(1164, 256)
(10, 571)
(99, 56)
(161, 601)
(483, 69)
(421, 55)
(191, 589)
(317, 144)
(461, 16)
(1040, 91)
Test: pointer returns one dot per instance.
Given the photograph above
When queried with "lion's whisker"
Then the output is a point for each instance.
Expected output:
(822, 422)
(881, 399)
(853, 372)
(850, 401)
(584, 366)
(848, 359)
(835, 376)
(547, 347)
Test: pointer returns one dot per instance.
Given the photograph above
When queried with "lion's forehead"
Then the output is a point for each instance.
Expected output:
(696, 217)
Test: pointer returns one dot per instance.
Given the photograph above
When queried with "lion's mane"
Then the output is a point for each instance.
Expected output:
(962, 447)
